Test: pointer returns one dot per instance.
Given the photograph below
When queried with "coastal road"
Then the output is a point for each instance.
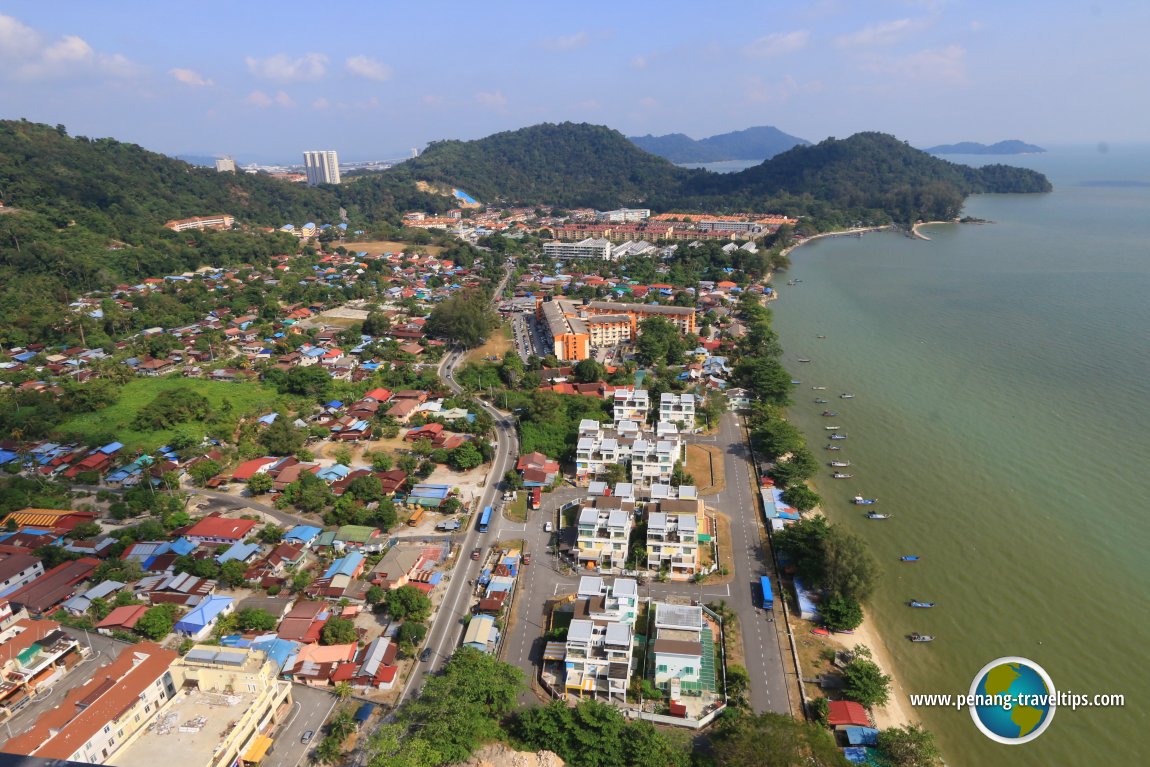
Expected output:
(765, 657)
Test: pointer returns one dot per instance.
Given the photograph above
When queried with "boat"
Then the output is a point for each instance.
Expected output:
(838, 436)
(804, 359)
(840, 463)
(831, 447)
(820, 336)
(910, 558)
(820, 401)
(876, 515)
(819, 388)
(921, 638)
(840, 475)
(845, 395)
(795, 382)
(832, 428)
(858, 500)
(916, 603)
(829, 414)
(821, 632)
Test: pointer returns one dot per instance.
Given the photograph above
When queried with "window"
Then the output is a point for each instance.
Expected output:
(662, 669)
(107, 728)
(148, 709)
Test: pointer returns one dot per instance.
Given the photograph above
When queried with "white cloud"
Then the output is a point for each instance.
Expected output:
(369, 68)
(190, 77)
(566, 43)
(17, 40)
(284, 100)
(777, 44)
(883, 32)
(259, 99)
(940, 65)
(283, 68)
(491, 99)
(29, 57)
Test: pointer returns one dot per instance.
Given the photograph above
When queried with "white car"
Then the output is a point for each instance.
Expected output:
(546, 527)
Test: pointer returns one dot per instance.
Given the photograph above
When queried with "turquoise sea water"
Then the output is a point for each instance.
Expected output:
(1002, 414)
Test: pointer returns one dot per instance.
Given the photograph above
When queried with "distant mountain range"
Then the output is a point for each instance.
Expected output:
(1012, 146)
(759, 143)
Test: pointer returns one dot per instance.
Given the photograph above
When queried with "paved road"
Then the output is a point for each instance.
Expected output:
(765, 658)
(310, 709)
(446, 630)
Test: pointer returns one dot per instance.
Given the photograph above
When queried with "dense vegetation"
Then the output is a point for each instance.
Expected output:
(1011, 146)
(758, 143)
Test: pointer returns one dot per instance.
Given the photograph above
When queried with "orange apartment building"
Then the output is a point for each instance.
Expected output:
(573, 330)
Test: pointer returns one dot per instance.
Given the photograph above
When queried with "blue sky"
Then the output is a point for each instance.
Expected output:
(264, 81)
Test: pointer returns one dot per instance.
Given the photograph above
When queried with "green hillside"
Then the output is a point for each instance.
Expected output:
(758, 143)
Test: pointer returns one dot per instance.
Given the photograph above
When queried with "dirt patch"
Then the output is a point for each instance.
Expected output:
(497, 344)
(380, 247)
(705, 464)
(726, 556)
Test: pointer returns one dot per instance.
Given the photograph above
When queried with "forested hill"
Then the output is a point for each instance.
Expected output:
(117, 188)
(569, 164)
(1011, 146)
(866, 171)
(758, 143)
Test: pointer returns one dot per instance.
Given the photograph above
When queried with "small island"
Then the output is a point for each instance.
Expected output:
(1011, 146)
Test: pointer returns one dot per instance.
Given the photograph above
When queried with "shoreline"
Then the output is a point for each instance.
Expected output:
(914, 230)
(897, 711)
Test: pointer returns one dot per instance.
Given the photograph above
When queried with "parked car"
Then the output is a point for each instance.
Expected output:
(307, 736)
(526, 559)
(546, 527)
(425, 656)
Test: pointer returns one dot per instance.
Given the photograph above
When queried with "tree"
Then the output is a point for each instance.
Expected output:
(841, 613)
(381, 461)
(801, 497)
(342, 454)
(408, 603)
(660, 342)
(464, 457)
(367, 488)
(616, 473)
(738, 682)
(85, 530)
(99, 608)
(588, 371)
(465, 318)
(281, 438)
(375, 595)
(311, 381)
(203, 471)
(270, 533)
(909, 746)
(338, 631)
(773, 740)
(156, 622)
(411, 633)
(232, 573)
(850, 568)
(865, 683)
(255, 619)
(260, 483)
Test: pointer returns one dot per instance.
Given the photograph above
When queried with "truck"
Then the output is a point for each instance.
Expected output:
(768, 596)
(536, 498)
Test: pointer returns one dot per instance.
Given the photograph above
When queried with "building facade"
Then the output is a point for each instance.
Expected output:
(597, 652)
(603, 535)
(673, 543)
(321, 167)
(599, 248)
(677, 408)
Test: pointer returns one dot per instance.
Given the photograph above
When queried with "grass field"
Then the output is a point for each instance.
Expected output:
(379, 247)
(705, 464)
(497, 344)
(115, 421)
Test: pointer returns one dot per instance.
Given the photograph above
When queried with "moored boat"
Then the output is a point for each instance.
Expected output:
(845, 395)
(831, 447)
(820, 336)
(819, 401)
(795, 382)
(921, 637)
(829, 414)
(832, 428)
(840, 463)
(876, 515)
(837, 436)
(804, 359)
(909, 558)
(840, 475)
(916, 603)
(858, 500)
(819, 388)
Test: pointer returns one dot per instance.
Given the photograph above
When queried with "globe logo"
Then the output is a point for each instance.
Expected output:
(1012, 700)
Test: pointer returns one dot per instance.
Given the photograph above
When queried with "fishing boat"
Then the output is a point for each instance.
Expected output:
(845, 395)
(829, 414)
(840, 463)
(831, 447)
(832, 428)
(876, 515)
(909, 558)
(804, 359)
(916, 603)
(858, 500)
(820, 401)
(921, 638)
(819, 388)
(840, 475)
(838, 436)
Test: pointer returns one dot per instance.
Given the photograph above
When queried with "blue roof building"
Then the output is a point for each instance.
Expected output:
(239, 552)
(199, 623)
(305, 534)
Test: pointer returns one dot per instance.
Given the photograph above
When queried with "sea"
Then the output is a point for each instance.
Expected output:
(1001, 374)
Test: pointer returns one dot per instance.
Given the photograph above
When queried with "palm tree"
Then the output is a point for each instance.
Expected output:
(343, 690)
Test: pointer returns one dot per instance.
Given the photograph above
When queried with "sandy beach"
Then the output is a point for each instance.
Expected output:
(837, 233)
(897, 712)
(914, 230)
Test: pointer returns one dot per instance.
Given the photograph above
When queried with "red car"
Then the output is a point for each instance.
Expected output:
(526, 559)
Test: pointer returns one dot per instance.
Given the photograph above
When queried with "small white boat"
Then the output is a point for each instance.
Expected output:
(876, 515)
(840, 475)
(819, 388)
(804, 359)
(845, 395)
(832, 428)
(841, 464)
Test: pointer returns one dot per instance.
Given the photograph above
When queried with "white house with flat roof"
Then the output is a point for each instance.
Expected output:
(603, 535)
(673, 543)
(597, 653)
(678, 646)
(677, 408)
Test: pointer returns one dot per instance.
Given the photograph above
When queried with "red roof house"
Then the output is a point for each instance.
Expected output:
(219, 530)
(847, 712)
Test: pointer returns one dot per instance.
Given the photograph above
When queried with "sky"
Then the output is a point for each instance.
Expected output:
(263, 81)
